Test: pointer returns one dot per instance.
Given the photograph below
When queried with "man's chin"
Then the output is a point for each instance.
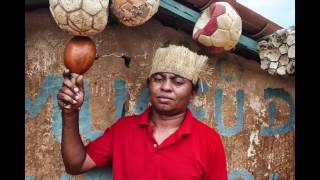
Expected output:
(163, 108)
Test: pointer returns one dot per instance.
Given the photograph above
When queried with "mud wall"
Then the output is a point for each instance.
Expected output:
(253, 111)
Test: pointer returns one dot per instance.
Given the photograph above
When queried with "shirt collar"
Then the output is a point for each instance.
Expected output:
(185, 127)
(144, 120)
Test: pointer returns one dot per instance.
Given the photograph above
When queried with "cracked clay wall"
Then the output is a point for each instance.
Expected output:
(253, 111)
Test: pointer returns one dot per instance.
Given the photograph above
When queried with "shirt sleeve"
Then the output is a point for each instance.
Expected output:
(218, 163)
(101, 149)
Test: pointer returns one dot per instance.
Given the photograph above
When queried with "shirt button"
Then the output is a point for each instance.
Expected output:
(155, 145)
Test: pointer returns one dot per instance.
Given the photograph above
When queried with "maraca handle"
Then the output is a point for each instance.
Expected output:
(73, 79)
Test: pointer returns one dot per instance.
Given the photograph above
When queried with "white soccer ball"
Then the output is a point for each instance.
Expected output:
(218, 28)
(80, 17)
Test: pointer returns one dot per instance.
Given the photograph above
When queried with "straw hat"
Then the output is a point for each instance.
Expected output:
(179, 60)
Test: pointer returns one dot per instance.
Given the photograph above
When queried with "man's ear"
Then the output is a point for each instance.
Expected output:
(193, 94)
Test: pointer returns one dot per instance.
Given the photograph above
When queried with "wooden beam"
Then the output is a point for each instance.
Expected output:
(34, 4)
(180, 10)
(191, 15)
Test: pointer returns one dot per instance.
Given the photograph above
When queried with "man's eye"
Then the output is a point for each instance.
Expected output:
(178, 82)
(157, 79)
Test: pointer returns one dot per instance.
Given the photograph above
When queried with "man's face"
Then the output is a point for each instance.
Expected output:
(170, 93)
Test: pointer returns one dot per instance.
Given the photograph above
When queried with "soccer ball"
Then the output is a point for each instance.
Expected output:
(80, 17)
(134, 12)
(218, 28)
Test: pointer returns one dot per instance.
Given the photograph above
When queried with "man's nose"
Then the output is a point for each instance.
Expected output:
(166, 85)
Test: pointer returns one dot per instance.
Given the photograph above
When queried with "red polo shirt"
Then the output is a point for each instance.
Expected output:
(194, 151)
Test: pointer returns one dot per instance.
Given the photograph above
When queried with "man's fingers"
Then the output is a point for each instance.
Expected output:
(79, 81)
(66, 74)
(70, 97)
(63, 104)
(69, 92)
(71, 86)
(66, 98)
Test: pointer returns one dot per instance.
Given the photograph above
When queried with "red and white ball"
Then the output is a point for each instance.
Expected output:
(219, 28)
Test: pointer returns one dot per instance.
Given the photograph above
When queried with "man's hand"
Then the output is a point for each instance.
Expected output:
(71, 93)
(70, 99)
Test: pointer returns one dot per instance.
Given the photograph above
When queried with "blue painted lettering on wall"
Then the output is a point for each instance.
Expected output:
(274, 176)
(66, 177)
(106, 174)
(95, 174)
(121, 97)
(53, 83)
(229, 78)
(142, 101)
(200, 113)
(203, 87)
(242, 173)
(51, 86)
(246, 175)
(220, 75)
(229, 131)
(285, 128)
(272, 110)
(99, 174)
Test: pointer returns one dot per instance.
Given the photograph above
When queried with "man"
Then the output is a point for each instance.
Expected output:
(164, 142)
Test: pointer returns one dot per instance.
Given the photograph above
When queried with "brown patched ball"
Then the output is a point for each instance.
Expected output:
(134, 12)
